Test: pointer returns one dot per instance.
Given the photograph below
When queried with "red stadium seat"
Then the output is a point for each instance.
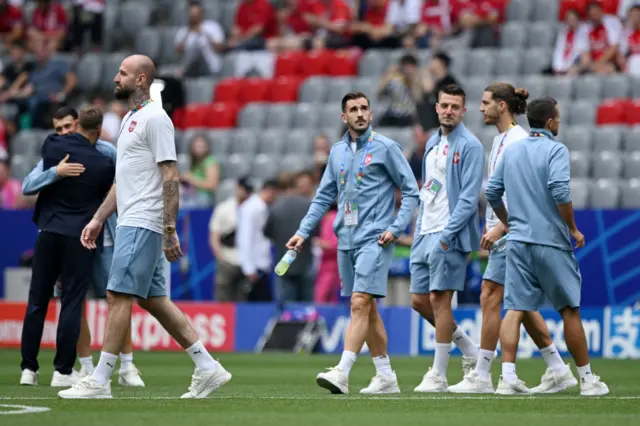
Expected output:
(565, 5)
(632, 110)
(284, 89)
(195, 115)
(254, 90)
(316, 63)
(288, 64)
(178, 118)
(611, 111)
(221, 115)
(343, 64)
(228, 90)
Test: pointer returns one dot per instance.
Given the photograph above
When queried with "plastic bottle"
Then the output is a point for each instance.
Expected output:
(286, 261)
(500, 245)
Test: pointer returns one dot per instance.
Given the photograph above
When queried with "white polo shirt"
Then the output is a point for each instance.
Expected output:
(146, 138)
(435, 212)
(500, 143)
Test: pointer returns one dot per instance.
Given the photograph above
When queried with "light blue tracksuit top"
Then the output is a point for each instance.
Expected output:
(535, 173)
(464, 174)
(385, 169)
(38, 179)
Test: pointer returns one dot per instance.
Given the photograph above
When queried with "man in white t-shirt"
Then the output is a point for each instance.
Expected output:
(200, 40)
(501, 102)
(146, 192)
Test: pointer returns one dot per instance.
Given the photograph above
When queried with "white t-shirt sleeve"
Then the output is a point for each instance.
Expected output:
(413, 10)
(160, 135)
(624, 43)
(614, 29)
(213, 31)
(582, 39)
(181, 36)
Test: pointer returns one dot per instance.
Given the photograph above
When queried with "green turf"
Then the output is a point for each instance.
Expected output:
(280, 390)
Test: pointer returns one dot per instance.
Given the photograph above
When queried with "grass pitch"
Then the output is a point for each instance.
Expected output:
(275, 389)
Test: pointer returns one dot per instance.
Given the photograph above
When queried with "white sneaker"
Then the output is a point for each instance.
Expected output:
(432, 382)
(382, 384)
(87, 388)
(592, 386)
(28, 377)
(334, 379)
(65, 380)
(203, 383)
(473, 383)
(554, 382)
(468, 364)
(84, 372)
(511, 388)
(130, 377)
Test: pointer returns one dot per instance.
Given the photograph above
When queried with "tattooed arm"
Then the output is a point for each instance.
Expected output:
(171, 200)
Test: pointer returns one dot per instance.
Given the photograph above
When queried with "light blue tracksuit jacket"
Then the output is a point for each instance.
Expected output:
(465, 172)
(385, 169)
(535, 173)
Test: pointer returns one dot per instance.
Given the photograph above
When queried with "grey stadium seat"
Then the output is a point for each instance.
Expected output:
(474, 88)
(228, 16)
(512, 79)
(634, 82)
(330, 115)
(604, 194)
(338, 87)
(183, 141)
(306, 116)
(631, 165)
(607, 138)
(561, 88)
(580, 164)
(26, 143)
(405, 138)
(542, 34)
(228, 65)
(536, 60)
(509, 62)
(168, 53)
(372, 64)
(213, 10)
(615, 86)
(279, 116)
(630, 194)
(486, 134)
(89, 71)
(226, 189)
(473, 117)
(535, 84)
(184, 162)
(519, 10)
(199, 90)
(582, 112)
(588, 87)
(578, 138)
(545, 10)
(313, 89)
(111, 66)
(264, 167)
(294, 163)
(459, 61)
(244, 141)
(272, 141)
(606, 164)
(579, 193)
(21, 166)
(149, 42)
(220, 142)
(236, 166)
(253, 116)
(632, 139)
(481, 62)
(367, 85)
(132, 17)
(513, 35)
(299, 142)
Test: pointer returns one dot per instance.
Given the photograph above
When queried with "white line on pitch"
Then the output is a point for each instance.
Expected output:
(328, 397)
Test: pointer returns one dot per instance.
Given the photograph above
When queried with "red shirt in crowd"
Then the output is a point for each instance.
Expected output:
(296, 21)
(48, 19)
(437, 14)
(630, 44)
(377, 16)
(481, 8)
(257, 12)
(9, 18)
(602, 36)
(338, 11)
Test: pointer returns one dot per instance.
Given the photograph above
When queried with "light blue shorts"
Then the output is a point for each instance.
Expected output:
(433, 269)
(497, 267)
(138, 263)
(535, 271)
(365, 269)
(101, 266)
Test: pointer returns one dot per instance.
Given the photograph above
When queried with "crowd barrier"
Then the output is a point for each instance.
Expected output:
(612, 331)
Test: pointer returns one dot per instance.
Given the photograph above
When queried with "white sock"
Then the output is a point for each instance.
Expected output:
(464, 343)
(346, 361)
(202, 358)
(553, 360)
(483, 366)
(441, 359)
(106, 365)
(584, 371)
(383, 365)
(126, 361)
(509, 372)
(87, 362)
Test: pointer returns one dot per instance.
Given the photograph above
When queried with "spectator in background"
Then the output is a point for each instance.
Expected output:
(254, 249)
(629, 55)
(87, 17)
(435, 22)
(416, 155)
(374, 31)
(10, 188)
(222, 240)
(402, 18)
(305, 184)
(256, 22)
(51, 82)
(14, 78)
(332, 23)
(435, 78)
(481, 17)
(49, 22)
(327, 290)
(112, 118)
(321, 149)
(568, 45)
(286, 213)
(600, 41)
(201, 42)
(204, 173)
(11, 23)
(296, 31)
(401, 86)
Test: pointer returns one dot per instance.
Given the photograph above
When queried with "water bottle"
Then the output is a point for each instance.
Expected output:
(285, 262)
(500, 245)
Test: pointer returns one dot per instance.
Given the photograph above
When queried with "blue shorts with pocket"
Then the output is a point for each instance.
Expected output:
(497, 267)
(535, 271)
(433, 269)
(365, 269)
(138, 263)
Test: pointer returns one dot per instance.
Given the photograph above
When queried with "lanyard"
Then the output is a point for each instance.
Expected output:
(500, 147)
(538, 135)
(361, 170)
(130, 114)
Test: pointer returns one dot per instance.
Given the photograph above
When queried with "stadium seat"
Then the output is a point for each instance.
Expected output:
(631, 165)
(561, 88)
(89, 71)
(580, 164)
(541, 34)
(535, 84)
(299, 142)
(338, 87)
(588, 87)
(481, 62)
(604, 194)
(405, 138)
(634, 82)
(226, 189)
(474, 88)
(615, 86)
(519, 10)
(473, 117)
(342, 64)
(509, 62)
(630, 194)
(536, 60)
(228, 16)
(279, 116)
(315, 63)
(513, 35)
(244, 141)
(264, 167)
(330, 115)
(168, 52)
(272, 141)
(178, 117)
(27, 143)
(579, 193)
(366, 85)
(313, 89)
(566, 5)
(607, 138)
(284, 89)
(110, 67)
(294, 163)
(612, 111)
(545, 10)
(222, 115)
(236, 166)
(179, 13)
(196, 115)
(582, 112)
(132, 16)
(20, 165)
(212, 10)
(219, 142)
(255, 90)
(288, 64)
(183, 139)
(459, 59)
(184, 162)
(578, 138)
(632, 139)
(149, 42)
(199, 90)
(633, 112)
(253, 116)
(606, 164)
(228, 90)
(372, 64)
(306, 116)
(486, 134)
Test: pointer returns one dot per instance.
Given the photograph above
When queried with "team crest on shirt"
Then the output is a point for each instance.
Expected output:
(456, 157)
(132, 126)
(445, 150)
(368, 159)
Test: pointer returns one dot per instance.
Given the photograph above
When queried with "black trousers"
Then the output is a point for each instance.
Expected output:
(56, 256)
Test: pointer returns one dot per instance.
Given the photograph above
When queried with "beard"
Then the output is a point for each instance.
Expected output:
(491, 116)
(122, 93)
(359, 127)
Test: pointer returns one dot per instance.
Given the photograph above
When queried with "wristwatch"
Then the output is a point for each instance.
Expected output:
(169, 229)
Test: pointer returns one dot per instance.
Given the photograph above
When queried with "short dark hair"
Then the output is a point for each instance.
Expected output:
(65, 111)
(408, 59)
(351, 96)
(516, 99)
(453, 90)
(540, 111)
(441, 56)
(271, 184)
(90, 118)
